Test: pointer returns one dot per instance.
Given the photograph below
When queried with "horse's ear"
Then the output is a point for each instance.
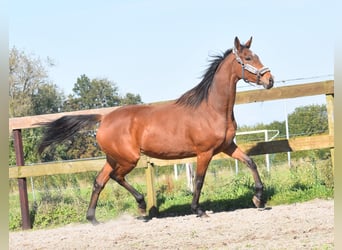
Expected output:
(237, 43)
(248, 43)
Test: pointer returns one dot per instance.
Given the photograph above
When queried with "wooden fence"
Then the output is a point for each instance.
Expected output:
(21, 171)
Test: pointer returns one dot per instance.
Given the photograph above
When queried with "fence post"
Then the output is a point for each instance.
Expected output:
(151, 192)
(330, 110)
(22, 185)
(189, 175)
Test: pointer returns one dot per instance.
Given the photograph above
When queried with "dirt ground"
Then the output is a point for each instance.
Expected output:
(308, 225)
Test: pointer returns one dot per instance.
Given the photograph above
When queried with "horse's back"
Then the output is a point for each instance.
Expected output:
(157, 130)
(122, 121)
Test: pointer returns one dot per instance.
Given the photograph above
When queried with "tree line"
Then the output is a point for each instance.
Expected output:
(31, 92)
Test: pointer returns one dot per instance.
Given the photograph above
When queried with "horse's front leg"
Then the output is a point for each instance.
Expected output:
(235, 152)
(203, 160)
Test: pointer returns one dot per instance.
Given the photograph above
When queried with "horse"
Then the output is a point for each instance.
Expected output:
(200, 123)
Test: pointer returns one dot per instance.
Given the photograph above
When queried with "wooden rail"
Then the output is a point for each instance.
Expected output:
(66, 167)
(85, 165)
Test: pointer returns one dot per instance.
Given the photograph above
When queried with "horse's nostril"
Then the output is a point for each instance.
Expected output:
(270, 83)
(271, 80)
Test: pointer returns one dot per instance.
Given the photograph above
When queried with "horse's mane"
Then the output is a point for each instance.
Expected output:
(195, 96)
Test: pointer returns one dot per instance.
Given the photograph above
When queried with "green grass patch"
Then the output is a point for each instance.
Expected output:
(60, 200)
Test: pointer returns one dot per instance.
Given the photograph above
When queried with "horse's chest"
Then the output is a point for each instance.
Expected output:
(230, 132)
(230, 135)
(222, 136)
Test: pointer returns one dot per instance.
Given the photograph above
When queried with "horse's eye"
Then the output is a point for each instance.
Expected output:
(248, 58)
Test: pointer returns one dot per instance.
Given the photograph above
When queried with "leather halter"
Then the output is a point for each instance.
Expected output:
(250, 68)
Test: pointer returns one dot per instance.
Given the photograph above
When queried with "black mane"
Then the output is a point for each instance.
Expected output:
(195, 96)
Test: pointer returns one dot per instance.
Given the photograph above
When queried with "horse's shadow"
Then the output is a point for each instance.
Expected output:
(215, 206)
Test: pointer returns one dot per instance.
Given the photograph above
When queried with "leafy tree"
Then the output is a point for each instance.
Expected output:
(308, 120)
(277, 125)
(87, 94)
(47, 99)
(27, 79)
(91, 94)
(30, 93)
(303, 121)
(130, 98)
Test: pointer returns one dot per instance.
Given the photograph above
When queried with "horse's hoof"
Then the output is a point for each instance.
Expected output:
(142, 211)
(94, 222)
(203, 215)
(258, 203)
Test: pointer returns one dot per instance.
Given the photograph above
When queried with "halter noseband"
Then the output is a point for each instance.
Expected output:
(250, 68)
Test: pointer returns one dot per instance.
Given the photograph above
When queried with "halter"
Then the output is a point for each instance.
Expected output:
(250, 68)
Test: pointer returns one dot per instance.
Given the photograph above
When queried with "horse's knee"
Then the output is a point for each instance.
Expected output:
(259, 187)
(97, 187)
(199, 181)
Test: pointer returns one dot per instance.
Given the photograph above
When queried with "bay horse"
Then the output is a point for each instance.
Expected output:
(200, 123)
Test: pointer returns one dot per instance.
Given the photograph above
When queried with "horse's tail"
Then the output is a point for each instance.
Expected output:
(63, 128)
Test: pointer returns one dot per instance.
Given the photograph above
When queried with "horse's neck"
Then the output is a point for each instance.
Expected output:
(223, 91)
(231, 99)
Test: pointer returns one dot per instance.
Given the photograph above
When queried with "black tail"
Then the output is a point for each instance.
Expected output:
(65, 127)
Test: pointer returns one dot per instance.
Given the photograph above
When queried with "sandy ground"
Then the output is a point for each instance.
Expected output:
(308, 225)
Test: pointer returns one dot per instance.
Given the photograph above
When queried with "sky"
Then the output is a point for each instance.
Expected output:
(160, 49)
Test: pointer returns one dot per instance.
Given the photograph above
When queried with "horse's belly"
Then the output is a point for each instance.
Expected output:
(168, 155)
(170, 147)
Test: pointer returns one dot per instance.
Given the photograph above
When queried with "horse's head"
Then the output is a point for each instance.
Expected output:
(249, 67)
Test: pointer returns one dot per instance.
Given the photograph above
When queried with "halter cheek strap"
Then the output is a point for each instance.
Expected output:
(250, 68)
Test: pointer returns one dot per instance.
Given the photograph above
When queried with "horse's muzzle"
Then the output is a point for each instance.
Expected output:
(269, 84)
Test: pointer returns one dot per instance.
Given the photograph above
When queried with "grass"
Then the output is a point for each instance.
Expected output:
(62, 200)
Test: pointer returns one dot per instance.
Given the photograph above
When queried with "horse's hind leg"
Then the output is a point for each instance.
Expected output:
(235, 152)
(202, 166)
(119, 176)
(99, 183)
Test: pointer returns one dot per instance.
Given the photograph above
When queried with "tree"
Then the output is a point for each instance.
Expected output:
(30, 93)
(303, 121)
(91, 94)
(130, 98)
(47, 99)
(27, 78)
(308, 120)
